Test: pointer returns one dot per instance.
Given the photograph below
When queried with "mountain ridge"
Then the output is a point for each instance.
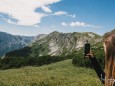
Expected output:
(9, 42)
(58, 43)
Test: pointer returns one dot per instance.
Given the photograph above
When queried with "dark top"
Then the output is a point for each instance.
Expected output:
(99, 70)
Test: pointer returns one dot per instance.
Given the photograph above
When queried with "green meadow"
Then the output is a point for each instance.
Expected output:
(61, 73)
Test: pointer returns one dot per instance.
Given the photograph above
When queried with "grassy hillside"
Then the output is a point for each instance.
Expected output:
(57, 74)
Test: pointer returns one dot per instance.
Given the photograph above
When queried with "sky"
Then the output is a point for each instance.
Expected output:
(33, 17)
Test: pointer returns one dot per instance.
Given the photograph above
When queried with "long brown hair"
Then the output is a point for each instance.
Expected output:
(109, 41)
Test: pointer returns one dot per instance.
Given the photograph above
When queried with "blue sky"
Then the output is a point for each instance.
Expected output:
(33, 17)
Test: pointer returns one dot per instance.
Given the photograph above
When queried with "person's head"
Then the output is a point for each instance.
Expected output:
(109, 48)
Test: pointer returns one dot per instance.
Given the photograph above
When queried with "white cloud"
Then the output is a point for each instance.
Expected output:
(24, 10)
(46, 9)
(64, 13)
(73, 16)
(60, 13)
(80, 24)
(37, 26)
(64, 24)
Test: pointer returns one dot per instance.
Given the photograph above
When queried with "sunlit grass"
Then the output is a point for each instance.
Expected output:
(57, 74)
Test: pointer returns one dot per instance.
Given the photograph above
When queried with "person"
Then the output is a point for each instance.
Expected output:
(107, 76)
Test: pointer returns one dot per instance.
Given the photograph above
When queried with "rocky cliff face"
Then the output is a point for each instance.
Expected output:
(10, 42)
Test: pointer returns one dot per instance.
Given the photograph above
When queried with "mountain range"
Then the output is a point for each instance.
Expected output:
(56, 44)
(10, 42)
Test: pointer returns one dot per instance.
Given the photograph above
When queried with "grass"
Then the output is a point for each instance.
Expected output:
(57, 74)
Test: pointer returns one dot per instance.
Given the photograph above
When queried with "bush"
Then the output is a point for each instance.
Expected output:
(79, 60)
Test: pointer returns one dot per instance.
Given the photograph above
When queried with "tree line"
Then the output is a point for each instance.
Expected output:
(17, 62)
